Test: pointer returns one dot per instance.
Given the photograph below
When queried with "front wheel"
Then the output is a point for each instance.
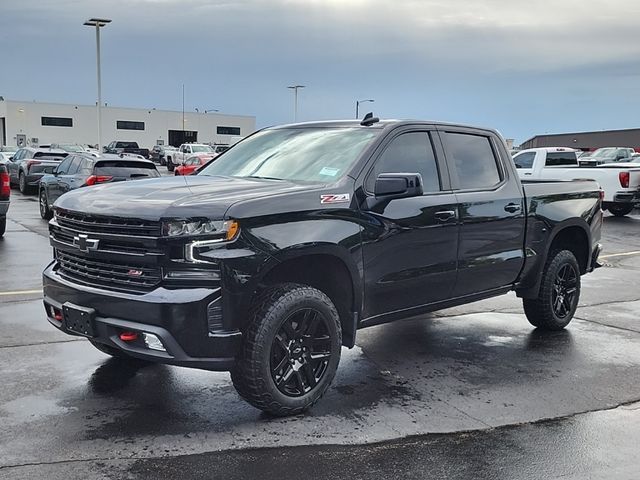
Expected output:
(559, 293)
(291, 350)
(169, 164)
(620, 210)
(45, 211)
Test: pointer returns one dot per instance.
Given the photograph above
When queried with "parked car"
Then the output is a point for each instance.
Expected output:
(193, 163)
(160, 152)
(606, 155)
(29, 164)
(126, 147)
(268, 261)
(218, 149)
(5, 194)
(184, 152)
(84, 170)
(619, 182)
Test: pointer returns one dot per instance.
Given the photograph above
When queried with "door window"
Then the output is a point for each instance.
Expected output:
(73, 167)
(473, 160)
(408, 153)
(524, 160)
(63, 168)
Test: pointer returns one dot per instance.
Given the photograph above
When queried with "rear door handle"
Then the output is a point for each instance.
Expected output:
(512, 208)
(445, 215)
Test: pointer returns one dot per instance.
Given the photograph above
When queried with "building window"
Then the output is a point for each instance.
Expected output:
(56, 122)
(129, 125)
(228, 130)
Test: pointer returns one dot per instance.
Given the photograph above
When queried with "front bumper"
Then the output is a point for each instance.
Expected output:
(177, 317)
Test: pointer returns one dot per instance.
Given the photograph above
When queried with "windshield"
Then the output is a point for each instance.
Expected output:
(604, 152)
(303, 154)
(201, 148)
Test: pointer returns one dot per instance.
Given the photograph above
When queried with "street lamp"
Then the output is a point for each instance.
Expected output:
(295, 100)
(358, 102)
(98, 22)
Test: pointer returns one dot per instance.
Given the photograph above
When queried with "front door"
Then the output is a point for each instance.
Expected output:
(410, 244)
(491, 210)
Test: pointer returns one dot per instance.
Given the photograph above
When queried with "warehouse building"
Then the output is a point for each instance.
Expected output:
(587, 140)
(35, 123)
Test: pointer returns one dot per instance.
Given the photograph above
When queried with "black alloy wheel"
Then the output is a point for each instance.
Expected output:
(300, 352)
(564, 291)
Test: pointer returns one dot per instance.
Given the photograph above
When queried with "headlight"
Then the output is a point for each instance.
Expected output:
(225, 230)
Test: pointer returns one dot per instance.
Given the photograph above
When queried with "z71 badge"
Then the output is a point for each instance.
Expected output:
(335, 198)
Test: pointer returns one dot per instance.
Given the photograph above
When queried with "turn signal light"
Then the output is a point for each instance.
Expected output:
(624, 179)
(93, 179)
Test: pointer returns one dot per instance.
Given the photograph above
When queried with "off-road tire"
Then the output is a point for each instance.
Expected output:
(252, 376)
(540, 311)
(620, 210)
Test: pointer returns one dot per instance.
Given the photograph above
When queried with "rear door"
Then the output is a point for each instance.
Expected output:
(14, 165)
(69, 180)
(491, 210)
(410, 244)
(53, 184)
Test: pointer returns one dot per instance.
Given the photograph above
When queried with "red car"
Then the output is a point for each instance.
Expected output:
(191, 164)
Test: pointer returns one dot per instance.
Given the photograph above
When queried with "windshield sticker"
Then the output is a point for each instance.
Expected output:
(329, 171)
(335, 198)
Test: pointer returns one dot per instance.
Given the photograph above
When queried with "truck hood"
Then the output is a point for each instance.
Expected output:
(173, 197)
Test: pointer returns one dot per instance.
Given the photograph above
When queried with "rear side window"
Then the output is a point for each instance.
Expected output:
(557, 159)
(49, 154)
(122, 168)
(86, 167)
(473, 159)
(524, 160)
(408, 153)
(75, 164)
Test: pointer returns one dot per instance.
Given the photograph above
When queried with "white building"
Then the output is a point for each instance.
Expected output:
(35, 123)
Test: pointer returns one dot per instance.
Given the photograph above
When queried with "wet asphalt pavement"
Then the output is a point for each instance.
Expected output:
(469, 392)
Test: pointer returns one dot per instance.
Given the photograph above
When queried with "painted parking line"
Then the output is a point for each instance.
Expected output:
(625, 254)
(20, 292)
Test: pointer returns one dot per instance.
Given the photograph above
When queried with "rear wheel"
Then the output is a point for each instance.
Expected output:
(45, 211)
(559, 293)
(22, 183)
(169, 164)
(620, 210)
(291, 350)
(3, 226)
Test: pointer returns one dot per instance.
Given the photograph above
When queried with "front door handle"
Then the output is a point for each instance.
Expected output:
(512, 208)
(445, 215)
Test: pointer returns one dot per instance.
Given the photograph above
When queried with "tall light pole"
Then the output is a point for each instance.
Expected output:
(295, 100)
(98, 23)
(358, 102)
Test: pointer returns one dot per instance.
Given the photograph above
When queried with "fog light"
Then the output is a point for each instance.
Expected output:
(153, 342)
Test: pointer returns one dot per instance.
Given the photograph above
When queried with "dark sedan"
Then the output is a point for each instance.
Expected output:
(84, 169)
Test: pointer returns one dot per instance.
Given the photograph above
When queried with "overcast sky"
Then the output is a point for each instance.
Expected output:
(524, 67)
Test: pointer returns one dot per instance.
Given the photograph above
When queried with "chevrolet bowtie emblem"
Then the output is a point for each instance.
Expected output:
(84, 243)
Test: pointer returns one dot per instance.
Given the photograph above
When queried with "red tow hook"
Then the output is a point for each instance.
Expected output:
(128, 336)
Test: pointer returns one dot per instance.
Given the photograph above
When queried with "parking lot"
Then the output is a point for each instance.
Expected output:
(471, 391)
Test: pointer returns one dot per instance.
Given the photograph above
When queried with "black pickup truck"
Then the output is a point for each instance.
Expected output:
(269, 259)
(119, 147)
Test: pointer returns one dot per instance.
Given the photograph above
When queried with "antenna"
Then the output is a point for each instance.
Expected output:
(369, 120)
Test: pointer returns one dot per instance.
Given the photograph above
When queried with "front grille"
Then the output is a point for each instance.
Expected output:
(112, 275)
(110, 225)
(107, 246)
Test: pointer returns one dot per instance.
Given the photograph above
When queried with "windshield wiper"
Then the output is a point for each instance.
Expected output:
(266, 178)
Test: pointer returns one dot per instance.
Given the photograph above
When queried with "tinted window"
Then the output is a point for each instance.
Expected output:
(49, 154)
(86, 167)
(473, 160)
(556, 159)
(75, 163)
(228, 130)
(129, 125)
(524, 160)
(64, 166)
(56, 122)
(126, 169)
(408, 153)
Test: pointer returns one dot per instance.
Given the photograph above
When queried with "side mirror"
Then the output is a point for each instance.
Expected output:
(398, 185)
(11, 159)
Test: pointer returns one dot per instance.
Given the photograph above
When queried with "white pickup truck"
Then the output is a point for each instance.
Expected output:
(185, 151)
(620, 183)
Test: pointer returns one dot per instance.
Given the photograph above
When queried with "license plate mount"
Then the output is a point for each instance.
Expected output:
(79, 320)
